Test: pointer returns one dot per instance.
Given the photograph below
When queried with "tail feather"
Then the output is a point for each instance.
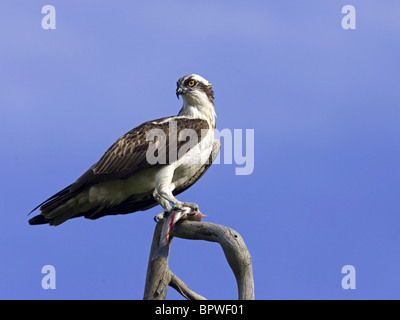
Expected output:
(39, 219)
(58, 194)
(72, 203)
(55, 208)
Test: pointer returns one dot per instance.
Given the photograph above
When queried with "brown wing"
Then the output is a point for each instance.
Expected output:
(127, 155)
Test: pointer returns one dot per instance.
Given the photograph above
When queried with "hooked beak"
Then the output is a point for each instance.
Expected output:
(179, 92)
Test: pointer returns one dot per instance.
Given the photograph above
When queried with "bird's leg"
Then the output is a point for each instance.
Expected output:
(163, 192)
(165, 204)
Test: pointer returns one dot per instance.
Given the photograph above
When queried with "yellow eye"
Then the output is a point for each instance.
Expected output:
(191, 83)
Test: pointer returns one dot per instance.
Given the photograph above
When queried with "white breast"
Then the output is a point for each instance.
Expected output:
(188, 165)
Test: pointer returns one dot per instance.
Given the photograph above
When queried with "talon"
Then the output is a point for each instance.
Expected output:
(160, 216)
(167, 213)
(177, 206)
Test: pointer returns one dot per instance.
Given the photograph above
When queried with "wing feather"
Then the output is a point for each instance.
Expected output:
(127, 155)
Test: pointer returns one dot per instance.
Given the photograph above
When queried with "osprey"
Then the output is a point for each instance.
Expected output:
(127, 178)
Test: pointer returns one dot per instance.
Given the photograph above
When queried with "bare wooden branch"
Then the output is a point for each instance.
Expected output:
(234, 248)
(183, 289)
(159, 276)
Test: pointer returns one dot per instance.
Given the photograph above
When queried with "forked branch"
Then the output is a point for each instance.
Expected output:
(159, 277)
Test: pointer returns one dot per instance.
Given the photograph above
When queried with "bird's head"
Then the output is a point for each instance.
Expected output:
(198, 97)
(194, 90)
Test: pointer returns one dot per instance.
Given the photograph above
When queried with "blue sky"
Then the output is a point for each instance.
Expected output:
(323, 103)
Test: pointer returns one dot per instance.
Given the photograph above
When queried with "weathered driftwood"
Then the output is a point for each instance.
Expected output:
(159, 277)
